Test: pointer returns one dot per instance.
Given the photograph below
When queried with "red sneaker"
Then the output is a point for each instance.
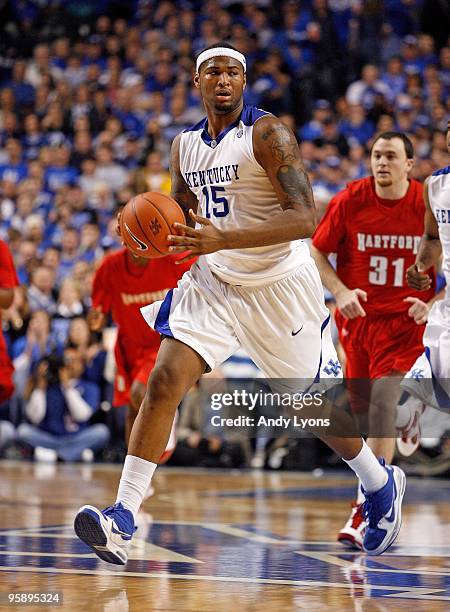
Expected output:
(352, 534)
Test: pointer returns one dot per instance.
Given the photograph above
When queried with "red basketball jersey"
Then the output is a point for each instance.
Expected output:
(8, 280)
(121, 287)
(375, 240)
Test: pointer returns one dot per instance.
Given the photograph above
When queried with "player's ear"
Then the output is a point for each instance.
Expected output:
(409, 164)
(197, 80)
(245, 80)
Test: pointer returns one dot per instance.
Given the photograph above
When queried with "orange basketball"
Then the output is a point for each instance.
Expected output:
(146, 221)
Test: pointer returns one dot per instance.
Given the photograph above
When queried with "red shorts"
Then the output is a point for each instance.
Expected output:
(377, 346)
(133, 364)
(6, 378)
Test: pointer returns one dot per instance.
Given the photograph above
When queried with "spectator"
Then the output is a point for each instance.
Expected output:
(59, 409)
(363, 91)
(13, 169)
(40, 293)
(90, 348)
(153, 176)
(68, 307)
(70, 244)
(107, 171)
(29, 349)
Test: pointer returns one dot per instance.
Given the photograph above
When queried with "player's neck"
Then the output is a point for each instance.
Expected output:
(138, 262)
(218, 123)
(395, 191)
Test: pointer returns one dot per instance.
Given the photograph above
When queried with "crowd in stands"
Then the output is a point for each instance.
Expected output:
(92, 94)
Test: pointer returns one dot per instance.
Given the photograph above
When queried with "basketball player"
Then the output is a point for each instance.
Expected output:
(374, 226)
(254, 286)
(8, 280)
(122, 285)
(428, 379)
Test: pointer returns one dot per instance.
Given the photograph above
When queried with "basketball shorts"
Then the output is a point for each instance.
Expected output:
(284, 326)
(6, 377)
(429, 377)
(376, 346)
(132, 364)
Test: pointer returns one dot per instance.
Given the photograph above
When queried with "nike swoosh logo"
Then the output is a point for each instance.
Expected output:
(297, 332)
(391, 517)
(141, 245)
(115, 529)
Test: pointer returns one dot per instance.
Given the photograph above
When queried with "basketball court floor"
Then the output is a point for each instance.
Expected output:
(219, 541)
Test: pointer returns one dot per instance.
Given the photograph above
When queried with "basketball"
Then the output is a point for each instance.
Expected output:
(146, 221)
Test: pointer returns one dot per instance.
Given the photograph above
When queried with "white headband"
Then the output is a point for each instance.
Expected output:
(220, 52)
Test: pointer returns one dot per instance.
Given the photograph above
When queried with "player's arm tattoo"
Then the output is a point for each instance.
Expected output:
(284, 166)
(281, 144)
(295, 183)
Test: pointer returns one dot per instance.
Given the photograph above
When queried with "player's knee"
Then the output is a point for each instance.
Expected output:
(137, 394)
(161, 385)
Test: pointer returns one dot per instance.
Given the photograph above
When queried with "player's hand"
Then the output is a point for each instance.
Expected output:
(418, 310)
(207, 239)
(417, 279)
(96, 320)
(348, 302)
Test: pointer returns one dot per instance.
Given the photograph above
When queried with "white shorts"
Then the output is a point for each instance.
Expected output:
(429, 377)
(284, 326)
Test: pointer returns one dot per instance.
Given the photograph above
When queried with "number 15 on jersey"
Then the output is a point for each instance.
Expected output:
(216, 204)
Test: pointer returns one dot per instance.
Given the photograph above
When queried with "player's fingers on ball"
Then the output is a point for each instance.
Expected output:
(177, 249)
(174, 239)
(184, 229)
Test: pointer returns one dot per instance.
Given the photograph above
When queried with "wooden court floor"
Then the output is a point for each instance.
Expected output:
(215, 541)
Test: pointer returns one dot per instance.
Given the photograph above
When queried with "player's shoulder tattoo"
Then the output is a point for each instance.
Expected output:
(275, 137)
(279, 147)
(282, 143)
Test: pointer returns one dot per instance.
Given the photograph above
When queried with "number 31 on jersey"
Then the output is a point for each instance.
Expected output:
(379, 270)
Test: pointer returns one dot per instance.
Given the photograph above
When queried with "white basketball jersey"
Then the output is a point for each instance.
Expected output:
(439, 196)
(234, 191)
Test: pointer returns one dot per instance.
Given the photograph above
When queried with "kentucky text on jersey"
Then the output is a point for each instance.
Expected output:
(442, 215)
(387, 241)
(143, 298)
(221, 174)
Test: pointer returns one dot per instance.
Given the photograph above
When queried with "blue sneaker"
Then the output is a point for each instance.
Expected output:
(383, 512)
(108, 532)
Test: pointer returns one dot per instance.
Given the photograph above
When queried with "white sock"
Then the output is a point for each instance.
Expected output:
(371, 474)
(360, 497)
(136, 477)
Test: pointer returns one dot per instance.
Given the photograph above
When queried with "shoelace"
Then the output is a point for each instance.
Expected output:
(372, 508)
(119, 513)
(372, 511)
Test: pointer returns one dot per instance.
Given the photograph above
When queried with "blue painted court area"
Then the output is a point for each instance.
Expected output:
(234, 553)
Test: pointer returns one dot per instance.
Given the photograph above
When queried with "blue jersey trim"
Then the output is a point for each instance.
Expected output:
(249, 115)
(442, 171)
(324, 324)
(162, 320)
(442, 398)
(198, 126)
